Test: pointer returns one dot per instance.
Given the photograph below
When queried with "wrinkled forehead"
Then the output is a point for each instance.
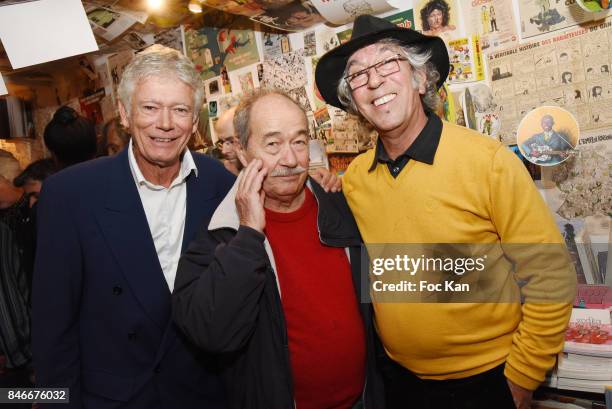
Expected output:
(372, 54)
(147, 82)
(276, 114)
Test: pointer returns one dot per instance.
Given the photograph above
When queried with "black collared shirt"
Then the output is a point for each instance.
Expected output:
(423, 149)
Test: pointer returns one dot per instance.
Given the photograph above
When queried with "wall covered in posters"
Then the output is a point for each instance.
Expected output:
(508, 57)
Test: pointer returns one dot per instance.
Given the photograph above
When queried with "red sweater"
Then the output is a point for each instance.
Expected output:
(325, 330)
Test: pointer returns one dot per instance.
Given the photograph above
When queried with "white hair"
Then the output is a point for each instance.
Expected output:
(160, 61)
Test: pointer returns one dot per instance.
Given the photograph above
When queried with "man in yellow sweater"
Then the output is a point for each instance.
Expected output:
(429, 181)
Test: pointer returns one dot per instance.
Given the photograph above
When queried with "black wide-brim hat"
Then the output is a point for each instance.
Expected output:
(368, 30)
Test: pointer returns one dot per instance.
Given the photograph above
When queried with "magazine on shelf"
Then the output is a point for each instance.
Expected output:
(589, 333)
(588, 369)
(583, 385)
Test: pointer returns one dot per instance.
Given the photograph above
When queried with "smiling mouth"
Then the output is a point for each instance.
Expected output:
(384, 99)
(163, 140)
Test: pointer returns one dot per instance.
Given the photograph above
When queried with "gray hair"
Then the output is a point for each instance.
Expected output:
(419, 61)
(242, 116)
(161, 61)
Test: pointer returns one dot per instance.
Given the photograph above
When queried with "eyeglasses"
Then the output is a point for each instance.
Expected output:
(383, 68)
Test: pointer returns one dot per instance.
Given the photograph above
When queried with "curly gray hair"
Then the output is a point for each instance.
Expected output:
(158, 60)
(419, 61)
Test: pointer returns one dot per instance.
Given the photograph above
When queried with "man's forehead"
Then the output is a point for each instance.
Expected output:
(286, 112)
(282, 104)
(145, 84)
(377, 49)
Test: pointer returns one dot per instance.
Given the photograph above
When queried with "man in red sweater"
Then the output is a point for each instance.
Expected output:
(269, 282)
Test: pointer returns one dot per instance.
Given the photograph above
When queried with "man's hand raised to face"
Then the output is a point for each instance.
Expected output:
(250, 196)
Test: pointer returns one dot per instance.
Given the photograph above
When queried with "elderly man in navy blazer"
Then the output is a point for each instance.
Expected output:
(111, 232)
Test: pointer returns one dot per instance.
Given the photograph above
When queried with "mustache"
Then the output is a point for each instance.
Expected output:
(284, 171)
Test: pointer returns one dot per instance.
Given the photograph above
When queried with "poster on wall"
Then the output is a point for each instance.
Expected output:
(103, 79)
(571, 70)
(211, 48)
(479, 110)
(289, 15)
(343, 11)
(245, 7)
(244, 80)
(339, 162)
(547, 136)
(326, 40)
(594, 5)
(116, 66)
(544, 16)
(318, 158)
(91, 107)
(493, 21)
(300, 96)
(173, 38)
(128, 10)
(344, 35)
(297, 15)
(404, 19)
(466, 60)
(285, 72)
(275, 44)
(345, 129)
(108, 23)
(310, 44)
(138, 41)
(437, 18)
(213, 88)
(583, 186)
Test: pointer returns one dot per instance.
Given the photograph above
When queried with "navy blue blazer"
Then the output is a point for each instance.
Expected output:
(101, 318)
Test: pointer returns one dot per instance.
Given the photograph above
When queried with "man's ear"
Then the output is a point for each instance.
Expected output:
(422, 81)
(124, 116)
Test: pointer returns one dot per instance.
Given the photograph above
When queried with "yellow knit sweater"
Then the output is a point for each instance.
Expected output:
(476, 191)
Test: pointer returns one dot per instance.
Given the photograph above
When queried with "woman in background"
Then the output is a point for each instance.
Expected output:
(113, 138)
(70, 138)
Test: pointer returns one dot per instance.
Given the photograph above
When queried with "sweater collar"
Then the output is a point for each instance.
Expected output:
(423, 149)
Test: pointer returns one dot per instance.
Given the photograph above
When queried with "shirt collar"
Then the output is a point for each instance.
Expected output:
(424, 147)
(187, 166)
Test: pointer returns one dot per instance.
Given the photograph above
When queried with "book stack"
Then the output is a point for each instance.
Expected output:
(586, 362)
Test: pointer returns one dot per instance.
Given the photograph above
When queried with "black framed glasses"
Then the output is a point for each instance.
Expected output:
(383, 68)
